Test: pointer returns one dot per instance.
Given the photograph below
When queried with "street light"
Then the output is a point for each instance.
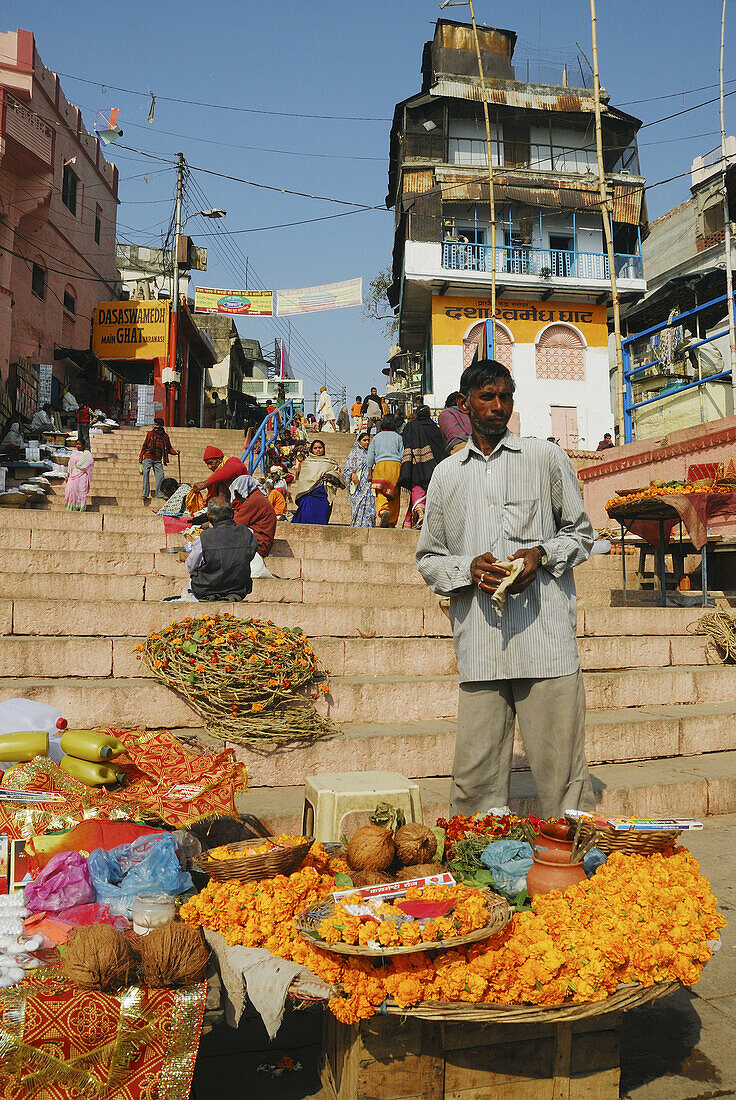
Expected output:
(215, 213)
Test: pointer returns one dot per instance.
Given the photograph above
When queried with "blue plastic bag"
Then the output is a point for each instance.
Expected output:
(149, 865)
(509, 861)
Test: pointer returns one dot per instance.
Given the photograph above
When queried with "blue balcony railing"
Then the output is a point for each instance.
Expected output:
(544, 262)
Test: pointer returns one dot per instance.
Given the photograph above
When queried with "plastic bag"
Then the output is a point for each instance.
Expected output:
(509, 861)
(149, 865)
(64, 881)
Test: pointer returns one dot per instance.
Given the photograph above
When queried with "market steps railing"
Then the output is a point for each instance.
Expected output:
(266, 435)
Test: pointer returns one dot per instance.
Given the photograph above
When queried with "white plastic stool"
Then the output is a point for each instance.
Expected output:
(330, 797)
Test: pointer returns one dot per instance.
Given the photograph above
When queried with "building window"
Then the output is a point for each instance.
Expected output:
(560, 354)
(70, 302)
(475, 342)
(98, 224)
(69, 182)
(38, 281)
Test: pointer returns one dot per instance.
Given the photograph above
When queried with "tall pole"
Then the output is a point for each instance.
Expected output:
(174, 354)
(606, 211)
(727, 225)
(489, 149)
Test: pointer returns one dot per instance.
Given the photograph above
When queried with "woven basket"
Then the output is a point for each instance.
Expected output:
(630, 843)
(625, 997)
(279, 861)
(307, 923)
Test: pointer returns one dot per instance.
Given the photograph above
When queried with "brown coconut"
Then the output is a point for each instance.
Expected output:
(420, 870)
(99, 957)
(173, 954)
(370, 878)
(415, 843)
(371, 849)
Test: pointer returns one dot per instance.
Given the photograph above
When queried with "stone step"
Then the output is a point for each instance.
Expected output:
(137, 702)
(28, 655)
(690, 787)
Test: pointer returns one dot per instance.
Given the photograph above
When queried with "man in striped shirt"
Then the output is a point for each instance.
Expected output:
(500, 498)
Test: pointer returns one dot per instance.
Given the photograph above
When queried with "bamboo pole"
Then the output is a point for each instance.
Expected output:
(606, 210)
(489, 148)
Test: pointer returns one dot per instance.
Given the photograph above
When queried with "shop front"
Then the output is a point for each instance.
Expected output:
(557, 352)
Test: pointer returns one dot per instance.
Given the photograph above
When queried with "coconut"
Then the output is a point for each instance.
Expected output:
(415, 843)
(420, 870)
(370, 878)
(371, 849)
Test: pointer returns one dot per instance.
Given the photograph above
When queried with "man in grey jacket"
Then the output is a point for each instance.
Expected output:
(219, 561)
(501, 498)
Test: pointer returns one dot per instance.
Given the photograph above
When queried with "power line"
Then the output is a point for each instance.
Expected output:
(224, 106)
(672, 95)
(303, 221)
(686, 110)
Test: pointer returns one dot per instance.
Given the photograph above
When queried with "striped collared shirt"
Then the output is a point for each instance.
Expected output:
(523, 494)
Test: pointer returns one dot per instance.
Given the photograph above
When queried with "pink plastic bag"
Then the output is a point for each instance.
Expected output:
(64, 881)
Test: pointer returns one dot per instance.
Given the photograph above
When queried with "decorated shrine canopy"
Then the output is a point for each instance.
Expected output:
(279, 303)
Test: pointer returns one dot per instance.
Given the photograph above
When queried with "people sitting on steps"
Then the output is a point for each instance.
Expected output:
(219, 560)
(223, 472)
(42, 422)
(175, 497)
(253, 509)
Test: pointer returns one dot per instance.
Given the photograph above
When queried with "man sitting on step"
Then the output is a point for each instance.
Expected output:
(219, 560)
(503, 500)
(223, 471)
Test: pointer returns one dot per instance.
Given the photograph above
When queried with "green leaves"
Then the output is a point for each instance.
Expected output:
(343, 881)
(190, 648)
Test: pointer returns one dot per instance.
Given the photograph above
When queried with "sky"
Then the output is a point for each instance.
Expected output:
(352, 60)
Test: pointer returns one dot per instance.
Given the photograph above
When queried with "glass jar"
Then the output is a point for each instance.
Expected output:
(151, 910)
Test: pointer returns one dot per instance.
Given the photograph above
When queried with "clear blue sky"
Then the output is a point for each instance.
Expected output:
(358, 59)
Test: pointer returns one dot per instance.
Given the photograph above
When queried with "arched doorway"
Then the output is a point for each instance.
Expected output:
(503, 352)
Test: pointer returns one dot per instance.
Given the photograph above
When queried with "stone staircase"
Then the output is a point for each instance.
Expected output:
(79, 590)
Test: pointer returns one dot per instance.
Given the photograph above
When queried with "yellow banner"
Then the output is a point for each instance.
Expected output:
(130, 330)
(208, 299)
(453, 317)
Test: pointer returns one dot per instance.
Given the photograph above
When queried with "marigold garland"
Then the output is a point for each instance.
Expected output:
(245, 677)
(640, 919)
(687, 489)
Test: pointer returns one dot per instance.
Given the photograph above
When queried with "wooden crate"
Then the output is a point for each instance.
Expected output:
(395, 1058)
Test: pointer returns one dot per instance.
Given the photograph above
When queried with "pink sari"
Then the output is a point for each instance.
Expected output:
(78, 481)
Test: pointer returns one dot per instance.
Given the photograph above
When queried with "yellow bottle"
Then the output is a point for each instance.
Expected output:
(91, 745)
(86, 771)
(24, 745)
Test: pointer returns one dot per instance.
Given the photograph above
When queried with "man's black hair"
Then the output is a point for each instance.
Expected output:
(389, 423)
(169, 485)
(451, 402)
(482, 374)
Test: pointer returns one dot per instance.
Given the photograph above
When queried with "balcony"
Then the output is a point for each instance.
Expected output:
(542, 262)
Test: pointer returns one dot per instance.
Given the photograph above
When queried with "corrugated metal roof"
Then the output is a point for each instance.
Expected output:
(532, 97)
(627, 202)
(416, 183)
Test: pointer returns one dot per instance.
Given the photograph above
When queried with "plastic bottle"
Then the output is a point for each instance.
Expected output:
(91, 745)
(22, 746)
(86, 771)
(29, 714)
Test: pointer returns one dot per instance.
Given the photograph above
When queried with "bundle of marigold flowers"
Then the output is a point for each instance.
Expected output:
(493, 826)
(376, 923)
(639, 919)
(687, 488)
(245, 677)
(259, 848)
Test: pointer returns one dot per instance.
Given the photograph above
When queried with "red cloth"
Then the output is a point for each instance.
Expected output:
(701, 470)
(157, 447)
(83, 414)
(85, 837)
(173, 525)
(257, 512)
(222, 477)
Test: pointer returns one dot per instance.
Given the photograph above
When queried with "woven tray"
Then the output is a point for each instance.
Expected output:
(631, 843)
(308, 922)
(625, 997)
(279, 861)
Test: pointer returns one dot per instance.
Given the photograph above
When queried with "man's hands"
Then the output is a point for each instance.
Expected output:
(487, 572)
(200, 486)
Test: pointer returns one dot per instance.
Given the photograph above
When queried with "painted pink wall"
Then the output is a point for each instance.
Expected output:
(664, 459)
(37, 226)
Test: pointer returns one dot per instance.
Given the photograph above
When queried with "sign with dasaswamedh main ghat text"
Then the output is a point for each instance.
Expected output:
(131, 330)
(452, 318)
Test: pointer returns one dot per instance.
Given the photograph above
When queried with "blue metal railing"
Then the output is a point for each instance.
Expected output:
(545, 262)
(632, 373)
(265, 436)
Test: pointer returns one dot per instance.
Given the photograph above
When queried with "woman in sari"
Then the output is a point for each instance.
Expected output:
(357, 477)
(424, 448)
(384, 457)
(79, 478)
(319, 480)
(12, 441)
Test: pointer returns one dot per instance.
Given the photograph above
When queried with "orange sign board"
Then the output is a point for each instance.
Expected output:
(131, 330)
(453, 317)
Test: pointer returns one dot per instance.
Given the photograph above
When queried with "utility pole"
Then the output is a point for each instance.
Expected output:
(174, 350)
(489, 153)
(727, 225)
(606, 212)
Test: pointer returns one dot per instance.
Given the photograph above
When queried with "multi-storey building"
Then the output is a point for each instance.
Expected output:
(551, 267)
(58, 206)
